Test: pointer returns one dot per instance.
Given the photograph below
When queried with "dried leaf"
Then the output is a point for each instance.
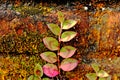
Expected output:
(50, 70)
(67, 51)
(49, 57)
(68, 64)
(67, 36)
(51, 43)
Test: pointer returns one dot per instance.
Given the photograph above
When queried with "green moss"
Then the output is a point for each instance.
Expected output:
(31, 42)
(27, 10)
(19, 66)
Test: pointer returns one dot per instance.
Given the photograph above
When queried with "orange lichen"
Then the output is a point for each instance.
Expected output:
(40, 27)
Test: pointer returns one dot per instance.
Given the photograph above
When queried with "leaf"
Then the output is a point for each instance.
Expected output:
(68, 64)
(95, 67)
(102, 74)
(50, 70)
(54, 28)
(49, 57)
(67, 51)
(67, 24)
(38, 71)
(31, 77)
(36, 78)
(91, 76)
(101, 79)
(45, 79)
(51, 43)
(60, 17)
(67, 36)
(110, 78)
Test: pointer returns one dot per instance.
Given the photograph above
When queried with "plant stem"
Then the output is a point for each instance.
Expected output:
(59, 37)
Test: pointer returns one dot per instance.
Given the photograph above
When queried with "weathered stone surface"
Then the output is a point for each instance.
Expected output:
(106, 30)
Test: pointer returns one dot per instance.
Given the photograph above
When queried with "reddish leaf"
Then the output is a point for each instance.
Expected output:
(67, 36)
(67, 51)
(68, 64)
(49, 57)
(51, 43)
(50, 70)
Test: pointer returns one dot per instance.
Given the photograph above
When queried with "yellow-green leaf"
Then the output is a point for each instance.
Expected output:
(60, 17)
(46, 79)
(102, 78)
(31, 77)
(67, 24)
(49, 57)
(91, 76)
(38, 71)
(55, 29)
(102, 74)
(95, 67)
(51, 43)
(67, 36)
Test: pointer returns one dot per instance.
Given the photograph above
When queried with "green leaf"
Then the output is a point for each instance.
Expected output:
(95, 67)
(54, 28)
(91, 76)
(50, 70)
(36, 78)
(60, 17)
(67, 36)
(68, 64)
(67, 51)
(38, 71)
(109, 78)
(49, 57)
(67, 24)
(101, 79)
(31, 77)
(102, 74)
(45, 79)
(51, 43)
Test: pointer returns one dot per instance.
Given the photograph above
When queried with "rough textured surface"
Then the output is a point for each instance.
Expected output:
(21, 34)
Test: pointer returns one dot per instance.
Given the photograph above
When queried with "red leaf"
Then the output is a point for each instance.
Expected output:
(68, 64)
(67, 51)
(50, 70)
